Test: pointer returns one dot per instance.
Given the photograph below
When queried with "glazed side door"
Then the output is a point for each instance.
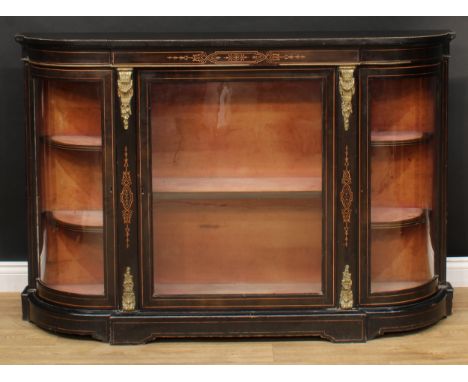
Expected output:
(70, 169)
(402, 138)
(236, 170)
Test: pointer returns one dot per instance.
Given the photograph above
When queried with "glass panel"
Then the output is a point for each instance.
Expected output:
(402, 120)
(70, 177)
(237, 179)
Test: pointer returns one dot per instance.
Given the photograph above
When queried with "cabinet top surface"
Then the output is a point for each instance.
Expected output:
(179, 40)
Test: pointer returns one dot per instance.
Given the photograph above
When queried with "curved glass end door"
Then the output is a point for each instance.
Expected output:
(403, 124)
(70, 161)
(237, 184)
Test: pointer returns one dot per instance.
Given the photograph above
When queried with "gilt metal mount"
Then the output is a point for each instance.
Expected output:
(347, 90)
(128, 295)
(125, 92)
(346, 295)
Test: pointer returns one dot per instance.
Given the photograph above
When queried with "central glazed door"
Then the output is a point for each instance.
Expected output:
(237, 188)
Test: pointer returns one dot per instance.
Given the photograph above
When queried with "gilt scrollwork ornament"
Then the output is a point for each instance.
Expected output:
(126, 197)
(128, 294)
(346, 84)
(125, 93)
(346, 197)
(346, 295)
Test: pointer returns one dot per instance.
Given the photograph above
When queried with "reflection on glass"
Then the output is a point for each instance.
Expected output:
(402, 120)
(237, 179)
(70, 149)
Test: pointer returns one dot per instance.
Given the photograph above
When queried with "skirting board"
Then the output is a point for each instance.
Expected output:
(14, 274)
(457, 271)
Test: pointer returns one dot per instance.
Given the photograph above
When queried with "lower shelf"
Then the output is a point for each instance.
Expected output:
(391, 217)
(78, 220)
(82, 289)
(398, 138)
(237, 288)
(75, 142)
(241, 184)
(379, 287)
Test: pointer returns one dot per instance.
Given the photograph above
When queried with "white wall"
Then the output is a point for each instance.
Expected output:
(14, 274)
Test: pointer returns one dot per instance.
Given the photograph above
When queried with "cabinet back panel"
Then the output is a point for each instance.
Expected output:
(258, 246)
(403, 104)
(237, 128)
(72, 108)
(71, 180)
(402, 176)
(72, 261)
(401, 255)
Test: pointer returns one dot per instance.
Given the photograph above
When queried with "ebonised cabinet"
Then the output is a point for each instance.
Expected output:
(236, 186)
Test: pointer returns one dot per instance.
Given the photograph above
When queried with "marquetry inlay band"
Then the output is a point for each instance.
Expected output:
(346, 197)
(126, 197)
(235, 57)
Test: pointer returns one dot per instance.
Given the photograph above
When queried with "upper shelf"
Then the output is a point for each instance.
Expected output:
(75, 142)
(282, 184)
(398, 138)
(78, 220)
(388, 217)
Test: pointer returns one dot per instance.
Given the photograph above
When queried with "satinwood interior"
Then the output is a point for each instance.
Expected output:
(72, 260)
(253, 245)
(237, 177)
(70, 147)
(402, 121)
(237, 129)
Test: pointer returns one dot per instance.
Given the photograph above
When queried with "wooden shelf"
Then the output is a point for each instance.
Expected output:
(392, 286)
(161, 196)
(387, 217)
(74, 142)
(74, 220)
(81, 289)
(246, 185)
(398, 138)
(237, 288)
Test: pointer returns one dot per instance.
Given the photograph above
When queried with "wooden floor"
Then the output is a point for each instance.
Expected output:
(444, 343)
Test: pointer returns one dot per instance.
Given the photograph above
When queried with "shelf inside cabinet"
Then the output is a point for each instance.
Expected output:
(398, 138)
(74, 142)
(388, 217)
(237, 288)
(81, 289)
(237, 185)
(75, 220)
(167, 196)
(388, 286)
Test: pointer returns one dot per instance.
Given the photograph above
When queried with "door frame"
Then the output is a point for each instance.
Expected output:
(102, 77)
(404, 296)
(232, 301)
